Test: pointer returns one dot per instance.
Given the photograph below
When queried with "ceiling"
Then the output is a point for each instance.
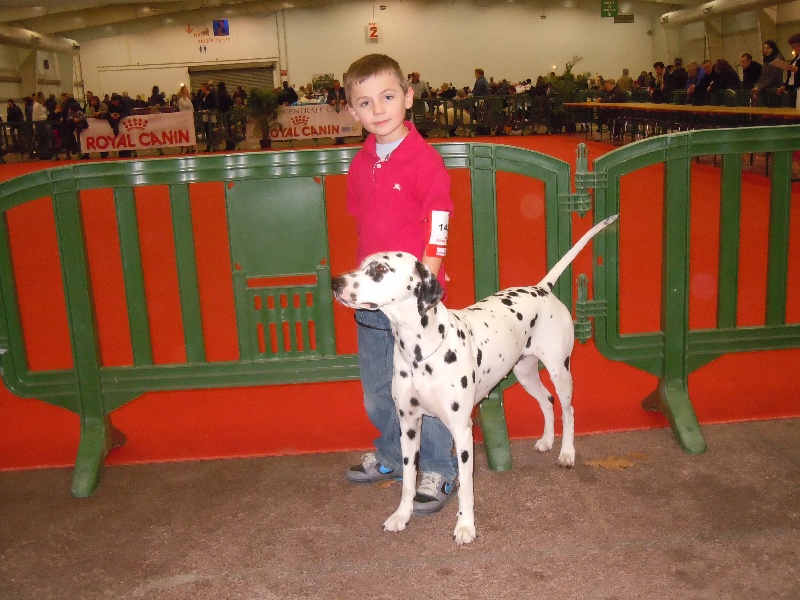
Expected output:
(69, 18)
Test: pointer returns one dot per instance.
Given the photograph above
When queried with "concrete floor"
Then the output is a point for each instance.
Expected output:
(718, 526)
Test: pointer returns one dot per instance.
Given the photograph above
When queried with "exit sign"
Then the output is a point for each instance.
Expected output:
(609, 8)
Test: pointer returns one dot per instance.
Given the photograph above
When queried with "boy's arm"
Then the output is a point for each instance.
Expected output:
(434, 263)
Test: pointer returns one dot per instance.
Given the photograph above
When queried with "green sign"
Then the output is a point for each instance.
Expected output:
(609, 8)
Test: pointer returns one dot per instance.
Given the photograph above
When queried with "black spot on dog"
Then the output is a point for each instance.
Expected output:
(528, 344)
(566, 363)
(519, 316)
(455, 407)
(429, 369)
(479, 357)
(450, 357)
(464, 382)
(403, 374)
(402, 345)
(533, 322)
(461, 334)
(417, 353)
(405, 460)
(424, 321)
(507, 302)
(400, 412)
(414, 402)
(411, 434)
(464, 456)
(550, 285)
(441, 330)
(514, 294)
(473, 377)
(416, 461)
(552, 400)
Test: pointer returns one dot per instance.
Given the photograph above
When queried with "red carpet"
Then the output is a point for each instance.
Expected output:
(170, 426)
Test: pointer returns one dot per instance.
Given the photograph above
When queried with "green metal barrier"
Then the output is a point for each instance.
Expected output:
(674, 352)
(260, 227)
(285, 330)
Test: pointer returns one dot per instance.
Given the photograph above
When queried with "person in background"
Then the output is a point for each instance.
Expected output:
(155, 98)
(287, 96)
(481, 85)
(14, 116)
(421, 89)
(207, 104)
(625, 83)
(751, 71)
(771, 75)
(792, 81)
(185, 105)
(338, 99)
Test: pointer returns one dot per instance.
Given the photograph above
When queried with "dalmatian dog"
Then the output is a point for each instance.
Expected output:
(447, 361)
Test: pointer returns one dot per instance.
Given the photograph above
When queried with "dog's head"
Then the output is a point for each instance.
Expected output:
(389, 278)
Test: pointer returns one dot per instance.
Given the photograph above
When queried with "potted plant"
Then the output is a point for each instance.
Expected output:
(262, 105)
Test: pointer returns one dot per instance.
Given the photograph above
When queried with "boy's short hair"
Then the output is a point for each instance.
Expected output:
(369, 66)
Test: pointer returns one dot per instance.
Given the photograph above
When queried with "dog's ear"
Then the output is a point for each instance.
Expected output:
(429, 291)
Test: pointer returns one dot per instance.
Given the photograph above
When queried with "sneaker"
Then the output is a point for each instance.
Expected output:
(371, 471)
(432, 494)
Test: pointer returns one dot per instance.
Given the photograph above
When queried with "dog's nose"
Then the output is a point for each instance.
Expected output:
(338, 284)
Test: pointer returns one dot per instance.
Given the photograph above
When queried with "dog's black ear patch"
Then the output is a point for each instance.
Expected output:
(429, 291)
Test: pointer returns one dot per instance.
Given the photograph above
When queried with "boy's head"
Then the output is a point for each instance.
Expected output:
(369, 66)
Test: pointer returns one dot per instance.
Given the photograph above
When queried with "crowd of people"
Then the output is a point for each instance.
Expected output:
(66, 117)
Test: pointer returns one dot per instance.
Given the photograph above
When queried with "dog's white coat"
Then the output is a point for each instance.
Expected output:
(447, 361)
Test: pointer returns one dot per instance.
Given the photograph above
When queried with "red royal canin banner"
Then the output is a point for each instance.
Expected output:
(140, 132)
(313, 121)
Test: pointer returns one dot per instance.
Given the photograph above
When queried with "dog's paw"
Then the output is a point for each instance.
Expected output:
(397, 522)
(566, 458)
(544, 445)
(464, 534)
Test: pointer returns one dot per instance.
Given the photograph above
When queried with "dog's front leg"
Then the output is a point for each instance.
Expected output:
(409, 445)
(465, 531)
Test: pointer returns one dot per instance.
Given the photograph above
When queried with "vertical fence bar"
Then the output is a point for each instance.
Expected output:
(778, 252)
(133, 274)
(187, 274)
(729, 226)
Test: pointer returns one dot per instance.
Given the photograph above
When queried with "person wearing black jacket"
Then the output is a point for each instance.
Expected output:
(208, 106)
(751, 71)
(14, 116)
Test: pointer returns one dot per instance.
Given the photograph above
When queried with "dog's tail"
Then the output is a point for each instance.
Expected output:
(565, 261)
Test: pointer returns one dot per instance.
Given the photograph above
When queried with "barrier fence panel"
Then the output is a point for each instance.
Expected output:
(282, 300)
(675, 351)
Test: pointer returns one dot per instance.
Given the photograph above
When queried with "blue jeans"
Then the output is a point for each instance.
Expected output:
(375, 359)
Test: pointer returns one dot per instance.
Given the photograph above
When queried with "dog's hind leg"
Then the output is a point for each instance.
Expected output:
(562, 381)
(527, 372)
(409, 444)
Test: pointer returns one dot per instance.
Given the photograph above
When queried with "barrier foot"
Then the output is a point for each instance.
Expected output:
(492, 419)
(98, 437)
(673, 401)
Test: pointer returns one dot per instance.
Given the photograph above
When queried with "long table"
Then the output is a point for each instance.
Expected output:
(665, 117)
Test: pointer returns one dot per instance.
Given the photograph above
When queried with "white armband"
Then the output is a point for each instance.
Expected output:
(437, 244)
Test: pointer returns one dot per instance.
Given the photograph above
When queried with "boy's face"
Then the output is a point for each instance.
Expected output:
(380, 105)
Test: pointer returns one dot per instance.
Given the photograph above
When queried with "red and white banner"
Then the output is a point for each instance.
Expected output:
(140, 132)
(313, 121)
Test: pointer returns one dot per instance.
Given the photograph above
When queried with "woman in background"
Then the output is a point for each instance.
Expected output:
(185, 105)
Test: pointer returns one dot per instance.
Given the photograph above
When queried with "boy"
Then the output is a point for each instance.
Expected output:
(398, 189)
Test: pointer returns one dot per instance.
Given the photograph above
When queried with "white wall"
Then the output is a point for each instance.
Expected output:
(144, 56)
(444, 41)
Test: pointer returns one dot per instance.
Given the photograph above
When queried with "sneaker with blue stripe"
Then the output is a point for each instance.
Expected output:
(371, 471)
(433, 493)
